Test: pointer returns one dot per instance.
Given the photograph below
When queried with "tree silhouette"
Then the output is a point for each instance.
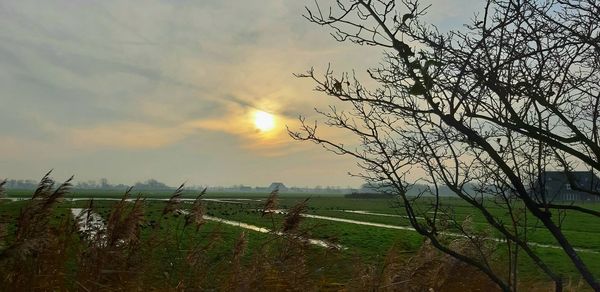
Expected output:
(485, 111)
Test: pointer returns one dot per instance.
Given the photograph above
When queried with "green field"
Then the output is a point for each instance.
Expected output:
(369, 245)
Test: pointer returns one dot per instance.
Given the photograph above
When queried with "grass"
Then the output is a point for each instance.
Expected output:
(152, 246)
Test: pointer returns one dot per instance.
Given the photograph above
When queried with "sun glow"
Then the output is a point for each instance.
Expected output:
(264, 121)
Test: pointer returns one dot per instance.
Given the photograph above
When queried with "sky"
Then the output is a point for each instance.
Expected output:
(132, 90)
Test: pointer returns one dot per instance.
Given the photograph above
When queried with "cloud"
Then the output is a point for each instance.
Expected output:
(236, 121)
(162, 81)
(11, 147)
(126, 135)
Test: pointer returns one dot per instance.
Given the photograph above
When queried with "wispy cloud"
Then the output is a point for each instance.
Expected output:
(82, 80)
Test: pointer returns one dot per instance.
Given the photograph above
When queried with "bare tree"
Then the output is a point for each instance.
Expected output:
(484, 111)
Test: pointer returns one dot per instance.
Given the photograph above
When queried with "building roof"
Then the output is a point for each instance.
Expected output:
(557, 183)
(582, 178)
(277, 186)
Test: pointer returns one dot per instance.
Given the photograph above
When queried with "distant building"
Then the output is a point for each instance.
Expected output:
(560, 187)
(376, 188)
(357, 195)
(277, 186)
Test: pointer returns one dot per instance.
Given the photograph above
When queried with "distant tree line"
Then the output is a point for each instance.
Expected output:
(102, 184)
(20, 184)
(153, 184)
(370, 189)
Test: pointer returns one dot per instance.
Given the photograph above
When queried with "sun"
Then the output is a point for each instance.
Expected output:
(264, 121)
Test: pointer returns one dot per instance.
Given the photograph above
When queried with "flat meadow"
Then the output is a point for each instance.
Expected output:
(333, 239)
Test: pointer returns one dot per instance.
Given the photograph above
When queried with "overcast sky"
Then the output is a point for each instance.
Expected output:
(131, 90)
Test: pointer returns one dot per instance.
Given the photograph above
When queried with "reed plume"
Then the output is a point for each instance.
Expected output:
(33, 222)
(3, 229)
(196, 214)
(293, 217)
(270, 205)
(123, 225)
(2, 190)
(174, 201)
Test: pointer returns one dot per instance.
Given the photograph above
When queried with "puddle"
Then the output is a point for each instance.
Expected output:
(377, 214)
(89, 223)
(317, 242)
(412, 229)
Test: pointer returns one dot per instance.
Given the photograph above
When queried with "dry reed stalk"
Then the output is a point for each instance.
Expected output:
(271, 204)
(236, 277)
(38, 249)
(292, 219)
(2, 190)
(430, 269)
(391, 267)
(116, 263)
(3, 229)
(196, 214)
(117, 211)
(240, 246)
(575, 286)
(3, 234)
(123, 225)
(32, 232)
(174, 201)
(44, 186)
(134, 221)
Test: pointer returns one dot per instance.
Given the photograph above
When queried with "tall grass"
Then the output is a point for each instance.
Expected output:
(144, 248)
